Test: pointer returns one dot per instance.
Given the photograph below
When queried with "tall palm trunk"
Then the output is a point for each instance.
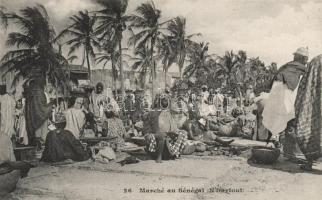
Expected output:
(88, 66)
(143, 81)
(113, 72)
(180, 70)
(165, 76)
(153, 69)
(181, 63)
(121, 69)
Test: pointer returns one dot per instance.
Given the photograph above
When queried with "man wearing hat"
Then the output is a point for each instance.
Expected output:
(279, 111)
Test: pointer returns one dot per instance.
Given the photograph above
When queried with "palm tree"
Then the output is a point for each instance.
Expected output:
(146, 22)
(109, 55)
(82, 35)
(33, 54)
(3, 17)
(177, 29)
(112, 22)
(241, 72)
(199, 60)
(227, 65)
(141, 63)
(166, 55)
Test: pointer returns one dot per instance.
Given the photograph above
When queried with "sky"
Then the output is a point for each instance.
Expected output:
(269, 29)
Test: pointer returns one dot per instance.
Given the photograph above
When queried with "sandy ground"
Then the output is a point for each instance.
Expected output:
(207, 177)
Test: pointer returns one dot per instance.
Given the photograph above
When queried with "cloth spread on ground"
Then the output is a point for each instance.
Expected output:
(62, 145)
(308, 111)
(37, 110)
(105, 155)
(290, 74)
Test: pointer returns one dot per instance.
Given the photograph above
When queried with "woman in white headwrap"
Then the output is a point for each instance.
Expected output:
(75, 117)
(112, 124)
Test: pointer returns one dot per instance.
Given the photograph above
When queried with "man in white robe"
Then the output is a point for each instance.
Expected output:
(279, 108)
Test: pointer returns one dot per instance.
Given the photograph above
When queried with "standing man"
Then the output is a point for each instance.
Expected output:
(205, 94)
(97, 99)
(38, 111)
(218, 101)
(7, 108)
(249, 96)
(279, 111)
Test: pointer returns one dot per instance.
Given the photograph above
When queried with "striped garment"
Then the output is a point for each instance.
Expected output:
(175, 146)
(308, 107)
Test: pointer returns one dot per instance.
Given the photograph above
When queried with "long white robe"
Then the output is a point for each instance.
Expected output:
(7, 107)
(279, 108)
(75, 120)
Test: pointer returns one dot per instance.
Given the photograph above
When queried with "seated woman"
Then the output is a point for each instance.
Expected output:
(163, 139)
(61, 145)
(75, 117)
(179, 110)
(113, 125)
(198, 128)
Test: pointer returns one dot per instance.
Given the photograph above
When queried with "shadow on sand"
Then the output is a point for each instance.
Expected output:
(287, 166)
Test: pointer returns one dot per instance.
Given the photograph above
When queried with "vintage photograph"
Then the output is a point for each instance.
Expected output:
(160, 99)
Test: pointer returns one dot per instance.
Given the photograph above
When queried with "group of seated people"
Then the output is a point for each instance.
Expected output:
(165, 140)
(63, 141)
(166, 130)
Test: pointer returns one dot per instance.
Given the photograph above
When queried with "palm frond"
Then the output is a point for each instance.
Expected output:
(18, 40)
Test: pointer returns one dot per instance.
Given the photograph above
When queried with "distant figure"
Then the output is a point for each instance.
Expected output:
(218, 101)
(279, 108)
(211, 96)
(250, 96)
(205, 94)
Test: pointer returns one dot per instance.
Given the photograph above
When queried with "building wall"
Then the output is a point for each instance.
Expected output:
(131, 79)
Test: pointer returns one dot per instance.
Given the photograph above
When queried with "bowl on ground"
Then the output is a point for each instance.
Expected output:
(265, 155)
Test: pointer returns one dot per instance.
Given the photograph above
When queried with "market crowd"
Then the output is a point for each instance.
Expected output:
(173, 122)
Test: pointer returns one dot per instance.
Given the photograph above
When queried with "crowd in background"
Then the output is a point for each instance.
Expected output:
(34, 117)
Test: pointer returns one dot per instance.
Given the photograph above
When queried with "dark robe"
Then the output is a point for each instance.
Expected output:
(37, 110)
(290, 74)
(62, 145)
